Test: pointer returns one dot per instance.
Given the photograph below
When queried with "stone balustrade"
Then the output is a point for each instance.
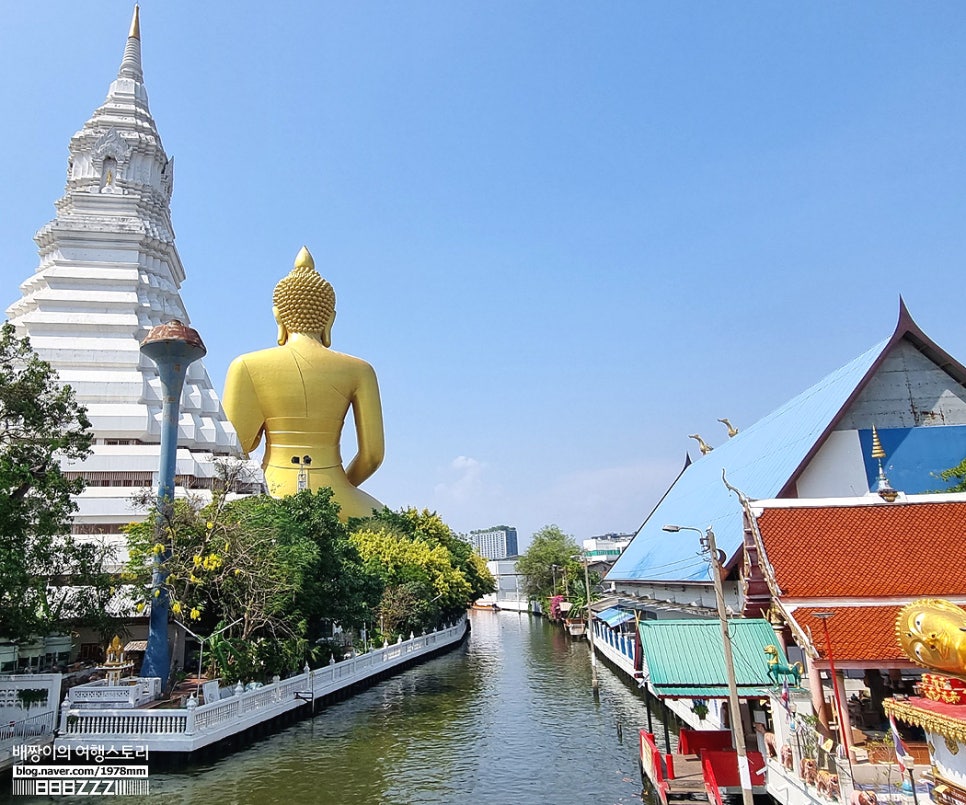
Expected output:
(194, 726)
(31, 720)
(133, 692)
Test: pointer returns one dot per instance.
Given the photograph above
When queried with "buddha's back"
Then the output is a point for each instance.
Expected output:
(298, 395)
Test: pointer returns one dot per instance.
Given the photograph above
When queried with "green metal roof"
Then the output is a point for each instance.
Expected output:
(685, 659)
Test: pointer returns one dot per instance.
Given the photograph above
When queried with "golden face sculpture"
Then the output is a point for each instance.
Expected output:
(932, 632)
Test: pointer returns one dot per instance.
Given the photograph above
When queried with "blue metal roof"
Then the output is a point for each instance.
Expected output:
(759, 461)
(614, 616)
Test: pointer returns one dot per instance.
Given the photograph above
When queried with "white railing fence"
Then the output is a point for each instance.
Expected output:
(246, 707)
(27, 728)
(28, 710)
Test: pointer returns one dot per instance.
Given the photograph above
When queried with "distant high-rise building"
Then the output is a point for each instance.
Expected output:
(498, 542)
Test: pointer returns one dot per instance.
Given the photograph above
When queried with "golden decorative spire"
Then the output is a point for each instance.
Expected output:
(135, 31)
(877, 451)
(732, 430)
(304, 259)
(882, 487)
(131, 62)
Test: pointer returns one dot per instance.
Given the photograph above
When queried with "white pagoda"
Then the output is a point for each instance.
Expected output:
(109, 271)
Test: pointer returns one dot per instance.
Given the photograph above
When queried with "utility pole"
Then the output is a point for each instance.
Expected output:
(595, 682)
(737, 728)
(744, 770)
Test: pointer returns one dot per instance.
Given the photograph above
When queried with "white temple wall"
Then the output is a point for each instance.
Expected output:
(837, 470)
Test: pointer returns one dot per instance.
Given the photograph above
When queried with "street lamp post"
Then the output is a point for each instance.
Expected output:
(201, 651)
(824, 616)
(173, 347)
(737, 729)
(909, 762)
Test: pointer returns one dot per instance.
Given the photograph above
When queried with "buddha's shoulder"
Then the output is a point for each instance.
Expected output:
(276, 357)
(350, 360)
(260, 359)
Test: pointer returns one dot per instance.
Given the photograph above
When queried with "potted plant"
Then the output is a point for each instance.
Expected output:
(700, 708)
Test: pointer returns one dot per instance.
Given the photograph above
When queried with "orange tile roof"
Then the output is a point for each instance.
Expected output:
(881, 550)
(856, 633)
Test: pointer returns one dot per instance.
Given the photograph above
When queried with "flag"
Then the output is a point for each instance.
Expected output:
(901, 751)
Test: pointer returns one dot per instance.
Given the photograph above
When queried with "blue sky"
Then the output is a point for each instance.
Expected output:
(566, 235)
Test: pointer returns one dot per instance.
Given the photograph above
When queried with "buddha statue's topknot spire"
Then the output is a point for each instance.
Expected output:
(304, 259)
(304, 300)
(131, 63)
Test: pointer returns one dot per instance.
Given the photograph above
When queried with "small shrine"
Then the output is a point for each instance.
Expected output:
(117, 688)
(115, 663)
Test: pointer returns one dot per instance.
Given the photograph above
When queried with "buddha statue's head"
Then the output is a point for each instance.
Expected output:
(303, 302)
(932, 632)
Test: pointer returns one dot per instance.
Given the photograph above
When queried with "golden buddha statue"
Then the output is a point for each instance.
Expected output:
(932, 632)
(299, 393)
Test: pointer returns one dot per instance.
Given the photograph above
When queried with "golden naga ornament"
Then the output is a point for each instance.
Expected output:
(932, 632)
(299, 393)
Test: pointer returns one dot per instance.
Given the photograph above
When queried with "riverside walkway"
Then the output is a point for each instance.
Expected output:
(194, 726)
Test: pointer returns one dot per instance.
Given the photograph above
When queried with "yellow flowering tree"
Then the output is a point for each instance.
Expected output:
(429, 575)
(274, 569)
(226, 564)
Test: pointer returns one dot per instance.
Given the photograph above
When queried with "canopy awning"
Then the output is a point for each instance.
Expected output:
(614, 617)
(685, 658)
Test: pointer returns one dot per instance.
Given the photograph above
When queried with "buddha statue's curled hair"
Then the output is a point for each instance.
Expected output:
(305, 301)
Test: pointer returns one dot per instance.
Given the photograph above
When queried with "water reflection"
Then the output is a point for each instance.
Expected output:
(509, 717)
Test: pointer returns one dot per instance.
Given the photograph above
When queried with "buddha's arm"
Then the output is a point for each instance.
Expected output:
(240, 402)
(367, 413)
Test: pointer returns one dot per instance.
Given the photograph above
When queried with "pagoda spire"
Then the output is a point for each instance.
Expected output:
(109, 273)
(882, 487)
(136, 23)
(131, 63)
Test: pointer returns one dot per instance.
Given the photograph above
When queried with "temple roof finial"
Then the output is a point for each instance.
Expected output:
(135, 32)
(131, 63)
(882, 487)
(877, 451)
(703, 446)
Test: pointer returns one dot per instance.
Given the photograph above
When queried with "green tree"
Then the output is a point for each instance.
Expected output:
(47, 576)
(272, 569)
(429, 574)
(336, 587)
(957, 474)
(549, 557)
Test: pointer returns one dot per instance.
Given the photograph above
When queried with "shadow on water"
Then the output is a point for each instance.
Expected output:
(508, 717)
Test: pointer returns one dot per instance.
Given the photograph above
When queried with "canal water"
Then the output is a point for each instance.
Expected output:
(509, 717)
